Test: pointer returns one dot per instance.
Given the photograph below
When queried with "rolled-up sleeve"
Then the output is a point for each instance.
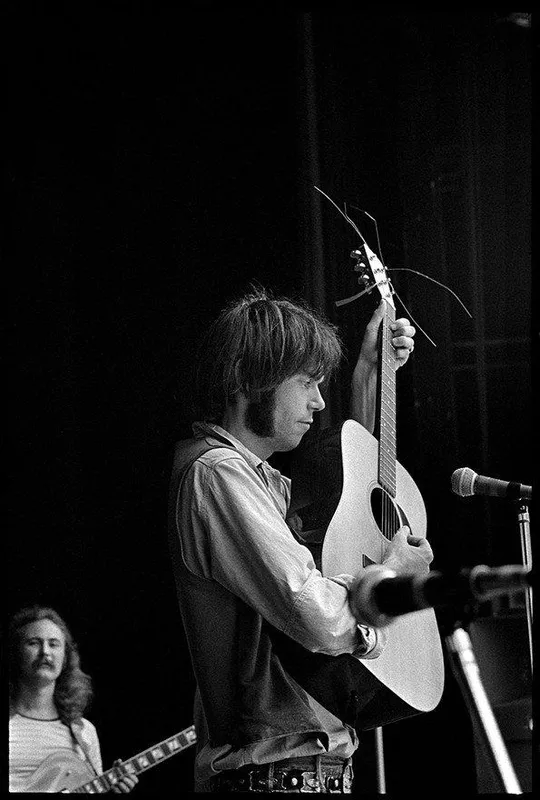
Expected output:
(241, 540)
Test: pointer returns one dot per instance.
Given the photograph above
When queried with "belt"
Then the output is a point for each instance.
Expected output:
(319, 774)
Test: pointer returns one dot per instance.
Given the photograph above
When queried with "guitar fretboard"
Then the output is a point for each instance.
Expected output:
(387, 398)
(141, 762)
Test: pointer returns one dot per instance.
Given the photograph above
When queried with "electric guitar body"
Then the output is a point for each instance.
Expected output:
(60, 772)
(65, 772)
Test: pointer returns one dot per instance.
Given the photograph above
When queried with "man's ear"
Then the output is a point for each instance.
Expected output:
(244, 390)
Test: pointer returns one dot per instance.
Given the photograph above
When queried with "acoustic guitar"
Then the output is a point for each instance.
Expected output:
(66, 772)
(377, 497)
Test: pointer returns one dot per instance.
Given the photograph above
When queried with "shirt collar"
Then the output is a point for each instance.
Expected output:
(201, 429)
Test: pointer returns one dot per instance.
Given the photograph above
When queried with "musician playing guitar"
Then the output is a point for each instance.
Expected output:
(270, 636)
(48, 696)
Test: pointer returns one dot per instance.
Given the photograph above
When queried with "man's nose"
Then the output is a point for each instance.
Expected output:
(317, 400)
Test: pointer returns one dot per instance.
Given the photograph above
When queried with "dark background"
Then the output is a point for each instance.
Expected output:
(161, 159)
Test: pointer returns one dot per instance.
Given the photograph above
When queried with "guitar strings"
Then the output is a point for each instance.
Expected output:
(386, 353)
(415, 322)
(387, 517)
(368, 289)
(343, 214)
(407, 269)
(429, 278)
(389, 360)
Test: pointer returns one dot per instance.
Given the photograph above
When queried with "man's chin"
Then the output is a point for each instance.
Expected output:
(290, 444)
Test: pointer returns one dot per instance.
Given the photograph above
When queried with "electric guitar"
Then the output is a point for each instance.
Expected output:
(66, 772)
(378, 496)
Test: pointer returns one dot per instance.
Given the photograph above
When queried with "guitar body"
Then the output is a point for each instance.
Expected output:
(66, 772)
(60, 772)
(411, 666)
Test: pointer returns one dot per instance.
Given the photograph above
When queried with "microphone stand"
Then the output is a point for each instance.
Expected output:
(379, 756)
(526, 554)
(467, 674)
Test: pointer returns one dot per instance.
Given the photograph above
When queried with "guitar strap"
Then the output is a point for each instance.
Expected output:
(78, 739)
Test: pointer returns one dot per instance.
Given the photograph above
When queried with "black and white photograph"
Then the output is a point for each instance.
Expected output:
(270, 454)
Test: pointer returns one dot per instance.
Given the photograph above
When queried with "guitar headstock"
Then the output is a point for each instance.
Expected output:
(372, 272)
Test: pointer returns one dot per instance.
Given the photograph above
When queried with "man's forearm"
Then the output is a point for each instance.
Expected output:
(363, 395)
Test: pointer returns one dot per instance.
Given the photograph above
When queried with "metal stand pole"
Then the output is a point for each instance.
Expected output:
(526, 554)
(467, 674)
(379, 753)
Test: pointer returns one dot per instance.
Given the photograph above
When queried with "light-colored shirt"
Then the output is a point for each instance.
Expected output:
(31, 741)
(237, 567)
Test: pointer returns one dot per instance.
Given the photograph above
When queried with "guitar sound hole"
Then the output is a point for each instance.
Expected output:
(385, 513)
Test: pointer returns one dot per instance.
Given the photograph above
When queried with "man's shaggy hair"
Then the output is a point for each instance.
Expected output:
(73, 691)
(258, 342)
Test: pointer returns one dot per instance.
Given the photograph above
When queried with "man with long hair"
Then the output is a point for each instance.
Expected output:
(246, 583)
(48, 695)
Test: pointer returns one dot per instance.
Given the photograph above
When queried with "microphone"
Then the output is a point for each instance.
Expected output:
(379, 594)
(466, 482)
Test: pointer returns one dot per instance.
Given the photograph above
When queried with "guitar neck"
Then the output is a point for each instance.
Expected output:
(387, 405)
(141, 762)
